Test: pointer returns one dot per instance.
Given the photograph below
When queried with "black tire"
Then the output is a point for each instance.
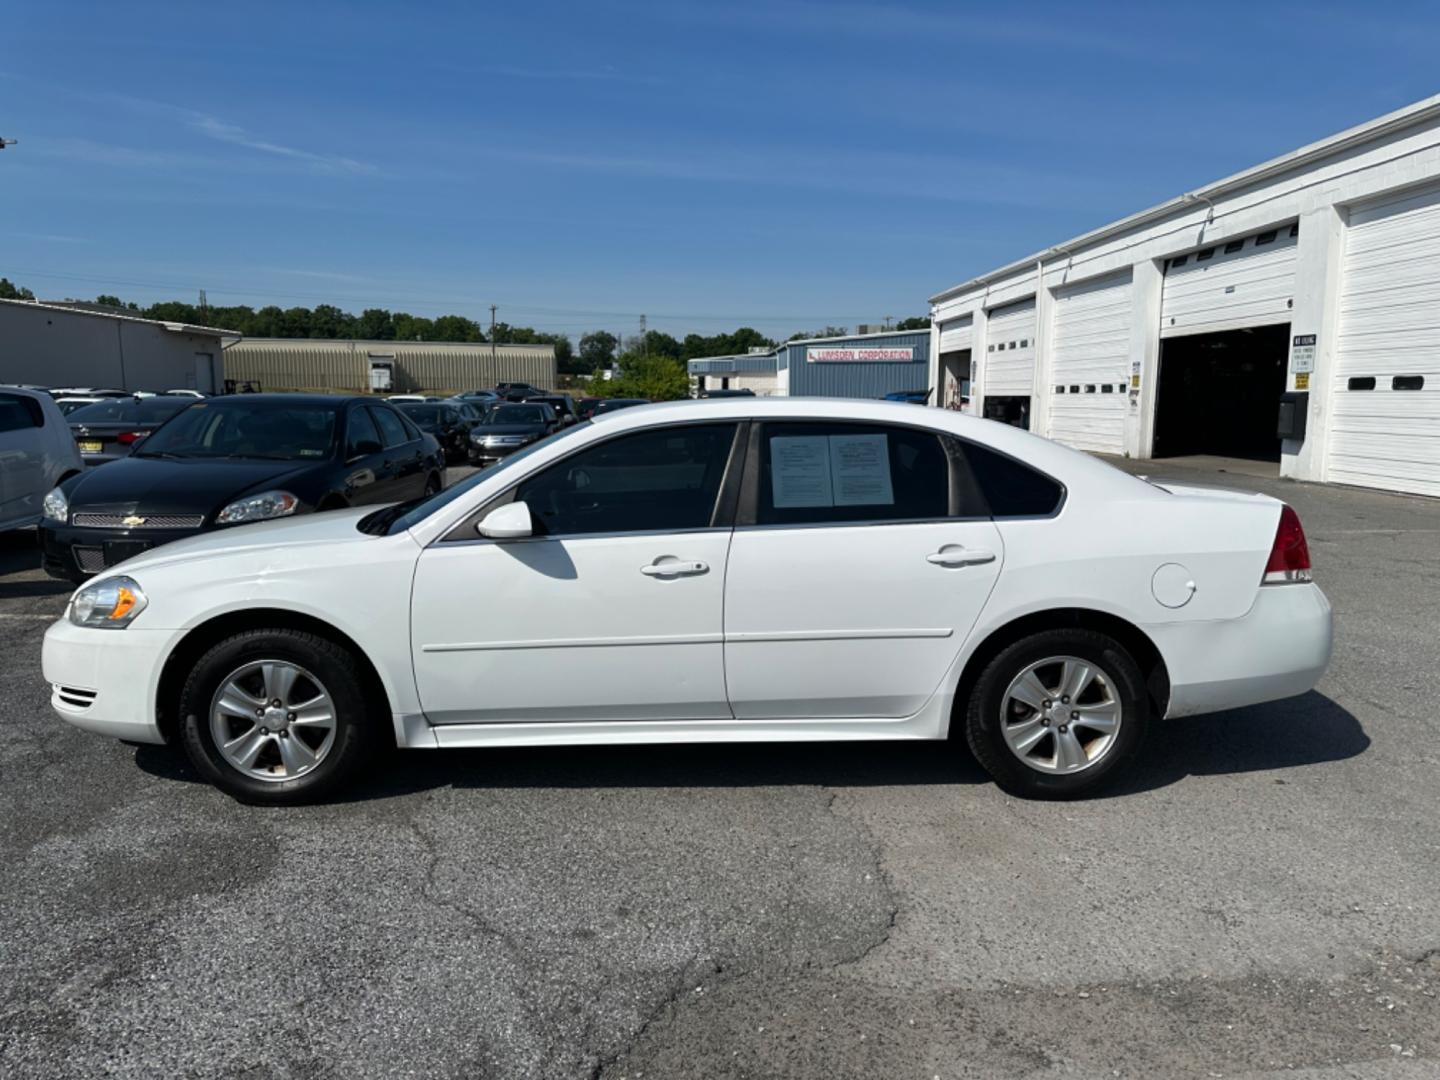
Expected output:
(984, 713)
(358, 717)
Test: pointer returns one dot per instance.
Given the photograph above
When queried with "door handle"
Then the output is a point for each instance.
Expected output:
(955, 555)
(667, 568)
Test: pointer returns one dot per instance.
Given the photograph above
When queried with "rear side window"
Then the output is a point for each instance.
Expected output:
(1012, 489)
(18, 413)
(820, 473)
(662, 480)
(361, 435)
(392, 431)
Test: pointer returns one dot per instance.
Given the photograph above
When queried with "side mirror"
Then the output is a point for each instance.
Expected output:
(508, 522)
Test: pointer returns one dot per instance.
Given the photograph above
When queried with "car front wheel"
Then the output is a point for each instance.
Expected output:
(277, 716)
(1057, 714)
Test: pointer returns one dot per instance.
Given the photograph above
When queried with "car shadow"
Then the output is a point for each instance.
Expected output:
(1307, 730)
(20, 555)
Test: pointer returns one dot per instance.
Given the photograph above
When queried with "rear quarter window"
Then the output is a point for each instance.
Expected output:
(1011, 488)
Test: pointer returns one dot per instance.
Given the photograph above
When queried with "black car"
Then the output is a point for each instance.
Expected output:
(516, 391)
(506, 428)
(717, 393)
(611, 404)
(448, 423)
(110, 429)
(478, 398)
(229, 460)
(563, 404)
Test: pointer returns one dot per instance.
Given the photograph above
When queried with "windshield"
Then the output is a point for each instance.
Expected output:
(422, 414)
(402, 516)
(237, 428)
(516, 414)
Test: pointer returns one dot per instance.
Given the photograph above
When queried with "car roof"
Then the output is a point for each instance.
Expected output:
(290, 399)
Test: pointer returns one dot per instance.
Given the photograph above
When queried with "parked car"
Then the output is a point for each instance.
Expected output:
(873, 571)
(230, 460)
(110, 429)
(563, 404)
(516, 391)
(717, 393)
(508, 427)
(69, 405)
(398, 398)
(912, 397)
(585, 407)
(36, 453)
(445, 421)
(609, 405)
(478, 397)
(187, 393)
(93, 391)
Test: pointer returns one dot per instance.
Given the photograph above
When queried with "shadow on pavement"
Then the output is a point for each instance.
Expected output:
(20, 555)
(1307, 730)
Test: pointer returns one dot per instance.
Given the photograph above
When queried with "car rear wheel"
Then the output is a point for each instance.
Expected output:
(278, 716)
(1057, 714)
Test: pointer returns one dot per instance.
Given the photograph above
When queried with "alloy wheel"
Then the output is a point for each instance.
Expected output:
(272, 720)
(1061, 715)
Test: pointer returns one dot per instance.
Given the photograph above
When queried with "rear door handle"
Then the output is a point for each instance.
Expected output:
(955, 555)
(668, 567)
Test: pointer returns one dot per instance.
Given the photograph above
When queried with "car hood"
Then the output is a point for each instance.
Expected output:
(163, 486)
(307, 529)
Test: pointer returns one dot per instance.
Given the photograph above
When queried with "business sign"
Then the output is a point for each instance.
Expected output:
(826, 355)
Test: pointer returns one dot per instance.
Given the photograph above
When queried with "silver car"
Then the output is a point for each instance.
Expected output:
(36, 453)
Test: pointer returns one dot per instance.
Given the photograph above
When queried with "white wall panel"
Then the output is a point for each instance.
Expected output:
(1389, 327)
(1009, 360)
(1090, 352)
(957, 335)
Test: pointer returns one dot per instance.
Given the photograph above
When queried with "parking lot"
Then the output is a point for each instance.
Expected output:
(1263, 897)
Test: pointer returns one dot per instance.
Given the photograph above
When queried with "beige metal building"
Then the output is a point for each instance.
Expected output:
(386, 366)
(58, 345)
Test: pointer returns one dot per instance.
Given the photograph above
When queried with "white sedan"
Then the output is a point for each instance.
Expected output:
(741, 570)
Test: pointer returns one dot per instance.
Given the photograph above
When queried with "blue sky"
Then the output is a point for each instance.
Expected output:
(784, 164)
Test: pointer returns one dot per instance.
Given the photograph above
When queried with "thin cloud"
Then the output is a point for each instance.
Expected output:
(515, 71)
(52, 238)
(230, 133)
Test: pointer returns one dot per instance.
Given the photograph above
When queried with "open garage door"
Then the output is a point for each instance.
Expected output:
(1385, 391)
(1220, 393)
(1090, 365)
(1008, 375)
(1245, 282)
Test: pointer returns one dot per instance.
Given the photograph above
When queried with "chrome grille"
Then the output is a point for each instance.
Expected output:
(91, 560)
(150, 521)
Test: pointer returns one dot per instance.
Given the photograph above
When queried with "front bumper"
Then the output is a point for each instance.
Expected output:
(488, 455)
(103, 680)
(77, 554)
(1278, 649)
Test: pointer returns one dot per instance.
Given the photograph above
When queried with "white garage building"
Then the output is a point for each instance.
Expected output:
(1290, 312)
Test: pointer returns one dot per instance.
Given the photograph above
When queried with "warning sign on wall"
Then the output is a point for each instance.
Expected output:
(1302, 381)
(1302, 353)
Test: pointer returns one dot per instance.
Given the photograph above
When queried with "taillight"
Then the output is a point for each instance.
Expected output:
(125, 438)
(1290, 555)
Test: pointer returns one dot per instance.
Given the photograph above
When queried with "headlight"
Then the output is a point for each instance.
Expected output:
(261, 507)
(111, 604)
(56, 507)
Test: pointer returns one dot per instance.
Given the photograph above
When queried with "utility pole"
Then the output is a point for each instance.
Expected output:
(888, 319)
(204, 309)
(493, 361)
(644, 343)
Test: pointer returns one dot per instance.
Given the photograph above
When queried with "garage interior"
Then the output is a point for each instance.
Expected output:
(1219, 393)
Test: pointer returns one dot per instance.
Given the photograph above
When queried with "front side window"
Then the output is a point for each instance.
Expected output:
(665, 480)
(392, 431)
(816, 473)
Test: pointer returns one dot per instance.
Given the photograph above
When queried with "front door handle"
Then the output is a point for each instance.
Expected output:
(955, 555)
(668, 567)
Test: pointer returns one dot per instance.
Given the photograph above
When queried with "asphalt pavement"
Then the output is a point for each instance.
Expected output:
(1261, 899)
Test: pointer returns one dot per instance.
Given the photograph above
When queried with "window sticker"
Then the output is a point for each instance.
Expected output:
(800, 471)
(833, 470)
(860, 470)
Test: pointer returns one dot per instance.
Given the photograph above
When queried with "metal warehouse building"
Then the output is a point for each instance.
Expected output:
(62, 345)
(387, 366)
(855, 366)
(1290, 312)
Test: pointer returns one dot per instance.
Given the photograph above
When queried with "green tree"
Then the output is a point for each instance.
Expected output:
(115, 302)
(414, 327)
(9, 291)
(919, 322)
(829, 331)
(457, 328)
(658, 378)
(376, 324)
(597, 350)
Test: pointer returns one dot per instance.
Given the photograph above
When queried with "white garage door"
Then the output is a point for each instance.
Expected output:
(1385, 412)
(1090, 365)
(956, 335)
(1246, 282)
(1009, 364)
